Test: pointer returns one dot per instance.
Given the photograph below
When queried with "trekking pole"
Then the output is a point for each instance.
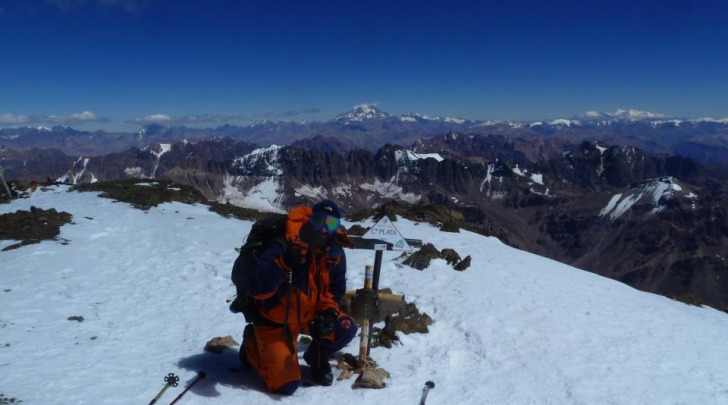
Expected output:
(428, 386)
(171, 380)
(200, 376)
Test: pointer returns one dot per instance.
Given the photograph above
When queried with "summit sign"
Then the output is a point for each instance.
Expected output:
(385, 231)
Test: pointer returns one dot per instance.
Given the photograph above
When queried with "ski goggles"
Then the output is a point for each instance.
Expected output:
(322, 221)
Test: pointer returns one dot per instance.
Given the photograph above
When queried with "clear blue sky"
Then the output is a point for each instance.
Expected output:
(111, 64)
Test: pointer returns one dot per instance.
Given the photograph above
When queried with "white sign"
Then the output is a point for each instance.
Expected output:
(385, 230)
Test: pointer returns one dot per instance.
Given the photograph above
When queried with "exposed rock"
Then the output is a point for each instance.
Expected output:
(356, 230)
(450, 227)
(451, 256)
(32, 226)
(408, 320)
(78, 319)
(369, 375)
(463, 264)
(372, 378)
(218, 344)
(8, 400)
(420, 260)
(144, 194)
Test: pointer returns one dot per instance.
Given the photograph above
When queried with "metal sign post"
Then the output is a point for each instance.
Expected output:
(365, 308)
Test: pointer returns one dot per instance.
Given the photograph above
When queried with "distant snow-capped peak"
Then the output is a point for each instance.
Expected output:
(637, 114)
(413, 117)
(362, 112)
(623, 114)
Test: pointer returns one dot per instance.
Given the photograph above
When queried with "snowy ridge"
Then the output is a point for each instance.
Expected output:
(257, 182)
(265, 160)
(535, 180)
(489, 179)
(564, 122)
(76, 178)
(391, 190)
(496, 123)
(655, 193)
(407, 155)
(368, 112)
(264, 194)
(163, 148)
(623, 114)
(514, 328)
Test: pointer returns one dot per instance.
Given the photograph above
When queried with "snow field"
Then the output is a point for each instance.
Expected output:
(513, 328)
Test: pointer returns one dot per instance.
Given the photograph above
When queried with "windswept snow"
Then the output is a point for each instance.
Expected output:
(517, 170)
(135, 172)
(654, 191)
(163, 148)
(263, 196)
(264, 160)
(514, 328)
(76, 178)
(489, 178)
(391, 190)
(307, 190)
(409, 155)
(610, 206)
(564, 122)
(601, 150)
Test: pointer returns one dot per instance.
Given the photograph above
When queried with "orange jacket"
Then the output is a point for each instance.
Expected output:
(293, 295)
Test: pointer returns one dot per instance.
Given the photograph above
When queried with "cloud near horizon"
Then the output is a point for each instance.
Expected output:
(218, 119)
(85, 117)
(41, 119)
(191, 119)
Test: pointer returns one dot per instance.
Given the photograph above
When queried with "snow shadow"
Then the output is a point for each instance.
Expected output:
(220, 369)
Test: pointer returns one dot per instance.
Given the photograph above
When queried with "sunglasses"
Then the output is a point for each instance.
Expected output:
(321, 221)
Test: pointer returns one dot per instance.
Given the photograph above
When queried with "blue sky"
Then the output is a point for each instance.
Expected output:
(116, 64)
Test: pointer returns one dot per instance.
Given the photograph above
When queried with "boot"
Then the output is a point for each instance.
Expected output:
(320, 368)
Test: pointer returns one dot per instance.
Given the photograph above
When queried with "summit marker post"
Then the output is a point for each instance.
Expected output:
(382, 236)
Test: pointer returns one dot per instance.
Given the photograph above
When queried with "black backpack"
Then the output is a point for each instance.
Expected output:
(271, 229)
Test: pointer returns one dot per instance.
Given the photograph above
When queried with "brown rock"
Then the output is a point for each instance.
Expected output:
(218, 344)
(463, 264)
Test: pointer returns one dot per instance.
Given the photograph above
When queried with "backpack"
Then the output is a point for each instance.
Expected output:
(271, 229)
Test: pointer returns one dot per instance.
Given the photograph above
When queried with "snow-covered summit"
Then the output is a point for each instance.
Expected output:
(368, 111)
(362, 112)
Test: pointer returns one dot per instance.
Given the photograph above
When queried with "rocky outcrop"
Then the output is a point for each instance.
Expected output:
(32, 226)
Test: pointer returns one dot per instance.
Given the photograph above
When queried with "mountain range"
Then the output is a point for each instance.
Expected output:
(597, 194)
(368, 127)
